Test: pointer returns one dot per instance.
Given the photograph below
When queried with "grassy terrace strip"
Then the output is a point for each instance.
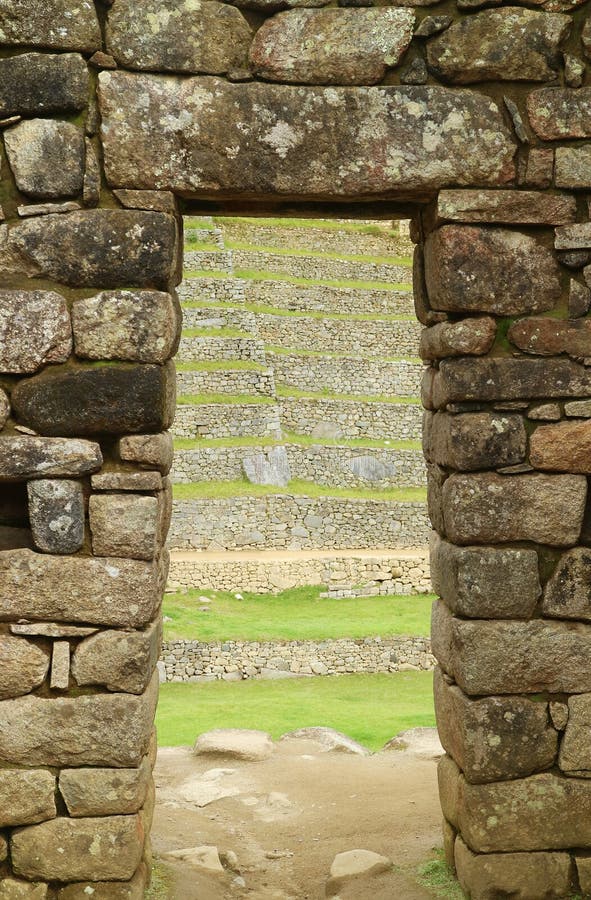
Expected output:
(260, 275)
(287, 393)
(296, 351)
(405, 261)
(231, 399)
(295, 614)
(223, 365)
(369, 708)
(300, 314)
(312, 224)
(215, 332)
(219, 490)
(302, 440)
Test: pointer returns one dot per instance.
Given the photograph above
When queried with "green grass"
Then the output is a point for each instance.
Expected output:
(237, 399)
(312, 224)
(404, 261)
(369, 708)
(194, 245)
(215, 332)
(438, 877)
(161, 885)
(302, 440)
(263, 309)
(260, 275)
(286, 391)
(196, 222)
(295, 614)
(225, 489)
(222, 365)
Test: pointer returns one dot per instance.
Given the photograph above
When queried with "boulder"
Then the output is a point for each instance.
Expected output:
(205, 858)
(327, 739)
(14, 889)
(575, 749)
(573, 167)
(151, 450)
(268, 467)
(34, 330)
(551, 337)
(236, 743)
(421, 742)
(107, 890)
(353, 865)
(564, 447)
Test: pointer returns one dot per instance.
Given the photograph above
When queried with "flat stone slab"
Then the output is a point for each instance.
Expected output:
(25, 457)
(328, 740)
(402, 142)
(505, 207)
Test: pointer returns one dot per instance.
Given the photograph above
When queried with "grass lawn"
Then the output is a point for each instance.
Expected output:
(369, 708)
(220, 489)
(295, 614)
(316, 224)
(232, 399)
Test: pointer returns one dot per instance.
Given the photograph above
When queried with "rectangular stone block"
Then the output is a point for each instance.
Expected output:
(26, 796)
(511, 657)
(486, 508)
(528, 876)
(494, 738)
(567, 594)
(51, 25)
(107, 890)
(556, 114)
(505, 207)
(25, 457)
(119, 660)
(60, 850)
(551, 337)
(116, 592)
(55, 731)
(124, 525)
(470, 337)
(564, 447)
(573, 167)
(470, 441)
(487, 380)
(486, 582)
(575, 749)
(151, 450)
(43, 83)
(287, 127)
(105, 792)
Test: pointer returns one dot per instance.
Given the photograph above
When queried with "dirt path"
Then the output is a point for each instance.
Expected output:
(291, 814)
(282, 555)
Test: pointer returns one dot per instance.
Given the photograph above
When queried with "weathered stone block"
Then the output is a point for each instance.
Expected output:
(124, 525)
(34, 330)
(470, 441)
(51, 25)
(46, 158)
(488, 380)
(558, 113)
(490, 270)
(286, 129)
(14, 889)
(127, 481)
(486, 582)
(468, 337)
(507, 657)
(141, 326)
(579, 299)
(27, 796)
(163, 35)
(22, 458)
(567, 594)
(89, 400)
(573, 237)
(490, 508)
(499, 45)
(494, 738)
(43, 83)
(56, 513)
(60, 850)
(119, 660)
(94, 248)
(525, 876)
(24, 666)
(332, 46)
(564, 447)
(539, 169)
(55, 731)
(573, 167)
(4, 408)
(575, 749)
(107, 890)
(152, 450)
(104, 792)
(505, 207)
(116, 592)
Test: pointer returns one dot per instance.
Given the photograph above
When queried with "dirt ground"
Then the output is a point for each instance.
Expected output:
(287, 817)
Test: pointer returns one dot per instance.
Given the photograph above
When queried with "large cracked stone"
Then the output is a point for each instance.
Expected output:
(494, 738)
(119, 660)
(142, 326)
(512, 657)
(486, 582)
(564, 447)
(117, 592)
(551, 337)
(104, 792)
(91, 400)
(24, 666)
(401, 141)
(166, 36)
(559, 113)
(471, 441)
(488, 508)
(56, 731)
(53, 25)
(567, 594)
(34, 83)
(499, 45)
(56, 513)
(73, 849)
(331, 46)
(27, 796)
(23, 458)
(490, 270)
(526, 876)
(94, 248)
(46, 158)
(34, 330)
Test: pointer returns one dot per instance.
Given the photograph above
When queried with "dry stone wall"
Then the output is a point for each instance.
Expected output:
(479, 118)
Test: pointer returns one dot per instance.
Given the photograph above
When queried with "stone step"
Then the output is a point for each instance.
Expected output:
(288, 522)
(343, 573)
(342, 467)
(223, 420)
(200, 349)
(347, 374)
(313, 267)
(317, 239)
(226, 381)
(304, 297)
(333, 418)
